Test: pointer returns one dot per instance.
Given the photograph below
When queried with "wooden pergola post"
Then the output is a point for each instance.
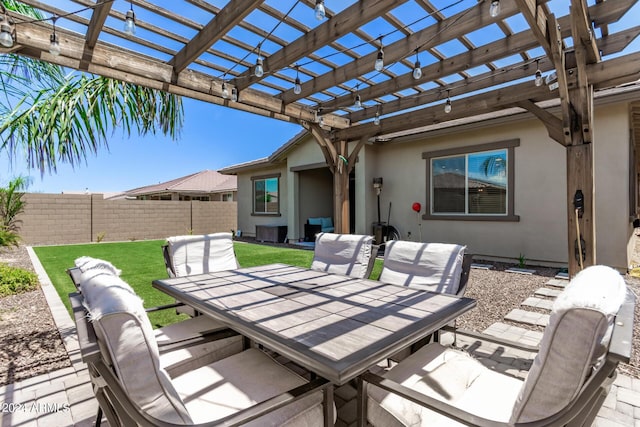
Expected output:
(574, 128)
(340, 163)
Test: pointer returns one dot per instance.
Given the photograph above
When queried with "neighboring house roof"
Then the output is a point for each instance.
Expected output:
(207, 181)
(623, 92)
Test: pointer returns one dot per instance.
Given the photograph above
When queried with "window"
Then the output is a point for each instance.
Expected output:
(266, 195)
(227, 197)
(472, 183)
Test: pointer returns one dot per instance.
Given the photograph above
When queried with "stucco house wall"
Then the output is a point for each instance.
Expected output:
(540, 199)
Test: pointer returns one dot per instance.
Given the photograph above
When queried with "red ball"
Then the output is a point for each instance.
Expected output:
(416, 207)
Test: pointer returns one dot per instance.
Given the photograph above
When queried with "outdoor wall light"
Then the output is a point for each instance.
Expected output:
(130, 22)
(377, 185)
(319, 10)
(494, 9)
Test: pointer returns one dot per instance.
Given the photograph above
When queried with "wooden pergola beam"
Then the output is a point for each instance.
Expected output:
(325, 33)
(603, 74)
(581, 30)
(456, 26)
(98, 17)
(234, 12)
(550, 121)
(536, 17)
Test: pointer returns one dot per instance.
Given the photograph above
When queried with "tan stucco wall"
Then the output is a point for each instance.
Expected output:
(64, 218)
(540, 191)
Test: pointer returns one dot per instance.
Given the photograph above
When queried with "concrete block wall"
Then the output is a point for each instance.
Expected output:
(63, 218)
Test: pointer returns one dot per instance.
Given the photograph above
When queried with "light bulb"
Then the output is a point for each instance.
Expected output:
(319, 10)
(225, 90)
(379, 65)
(297, 89)
(494, 9)
(130, 23)
(447, 106)
(234, 94)
(538, 79)
(358, 103)
(417, 71)
(6, 39)
(54, 45)
(259, 71)
(376, 120)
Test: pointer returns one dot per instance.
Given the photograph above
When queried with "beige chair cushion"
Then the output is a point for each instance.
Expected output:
(178, 361)
(240, 381)
(433, 267)
(346, 254)
(126, 336)
(447, 375)
(574, 342)
(202, 253)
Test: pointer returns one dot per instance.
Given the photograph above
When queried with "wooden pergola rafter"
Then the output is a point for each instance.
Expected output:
(484, 63)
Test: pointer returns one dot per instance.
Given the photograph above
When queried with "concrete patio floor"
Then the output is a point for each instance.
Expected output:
(65, 397)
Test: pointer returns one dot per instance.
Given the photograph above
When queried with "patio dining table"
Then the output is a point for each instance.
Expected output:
(335, 326)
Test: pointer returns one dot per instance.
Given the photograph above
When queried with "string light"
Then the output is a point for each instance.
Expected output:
(447, 105)
(234, 94)
(358, 103)
(130, 21)
(379, 65)
(6, 29)
(417, 70)
(259, 69)
(319, 10)
(538, 79)
(376, 119)
(225, 90)
(494, 9)
(297, 89)
(54, 45)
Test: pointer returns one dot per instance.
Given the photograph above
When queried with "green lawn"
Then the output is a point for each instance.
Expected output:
(141, 262)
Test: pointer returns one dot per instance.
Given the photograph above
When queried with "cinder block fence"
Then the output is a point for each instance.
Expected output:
(51, 219)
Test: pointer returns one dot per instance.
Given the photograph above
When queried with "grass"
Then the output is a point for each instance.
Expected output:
(141, 262)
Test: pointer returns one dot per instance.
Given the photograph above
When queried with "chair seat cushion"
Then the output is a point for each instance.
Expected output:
(447, 375)
(240, 381)
(179, 361)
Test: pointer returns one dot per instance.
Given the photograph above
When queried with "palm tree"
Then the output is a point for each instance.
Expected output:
(11, 205)
(53, 116)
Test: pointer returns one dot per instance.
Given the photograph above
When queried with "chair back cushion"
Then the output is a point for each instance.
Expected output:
(433, 267)
(202, 253)
(347, 254)
(127, 343)
(86, 263)
(574, 343)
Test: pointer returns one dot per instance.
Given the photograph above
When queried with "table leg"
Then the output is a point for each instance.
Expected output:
(362, 403)
(329, 406)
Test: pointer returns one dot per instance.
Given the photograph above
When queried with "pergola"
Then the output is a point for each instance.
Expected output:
(365, 70)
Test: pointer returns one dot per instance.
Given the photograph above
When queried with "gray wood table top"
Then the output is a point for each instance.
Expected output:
(333, 325)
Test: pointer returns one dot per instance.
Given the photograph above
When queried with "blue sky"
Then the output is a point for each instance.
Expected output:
(214, 137)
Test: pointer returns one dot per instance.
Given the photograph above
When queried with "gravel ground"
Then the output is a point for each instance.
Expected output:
(30, 344)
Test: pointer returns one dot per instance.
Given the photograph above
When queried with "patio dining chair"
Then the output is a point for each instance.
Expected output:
(351, 255)
(197, 254)
(134, 386)
(434, 267)
(589, 333)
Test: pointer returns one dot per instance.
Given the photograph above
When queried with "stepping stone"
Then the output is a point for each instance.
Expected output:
(563, 275)
(514, 333)
(527, 317)
(520, 270)
(545, 304)
(546, 292)
(557, 283)
(482, 266)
